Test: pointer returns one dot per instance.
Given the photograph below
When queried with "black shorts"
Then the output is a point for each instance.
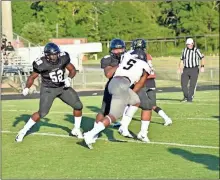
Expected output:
(67, 95)
(148, 98)
(106, 101)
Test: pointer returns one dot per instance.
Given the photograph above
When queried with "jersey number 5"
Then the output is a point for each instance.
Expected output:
(56, 76)
(130, 63)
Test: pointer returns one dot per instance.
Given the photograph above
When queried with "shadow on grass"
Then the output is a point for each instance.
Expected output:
(217, 117)
(87, 124)
(211, 162)
(43, 122)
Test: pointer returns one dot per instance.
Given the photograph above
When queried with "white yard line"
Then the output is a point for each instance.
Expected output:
(168, 102)
(94, 113)
(129, 140)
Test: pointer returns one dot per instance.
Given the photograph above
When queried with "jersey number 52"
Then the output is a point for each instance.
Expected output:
(56, 76)
(130, 63)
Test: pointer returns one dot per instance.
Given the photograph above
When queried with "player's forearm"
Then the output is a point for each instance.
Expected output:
(29, 82)
(110, 72)
(72, 74)
(140, 84)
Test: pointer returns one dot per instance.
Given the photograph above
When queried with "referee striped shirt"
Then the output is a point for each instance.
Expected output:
(191, 57)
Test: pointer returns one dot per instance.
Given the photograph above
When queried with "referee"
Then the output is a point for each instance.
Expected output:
(189, 67)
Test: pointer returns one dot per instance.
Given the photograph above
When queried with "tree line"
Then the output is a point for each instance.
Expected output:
(104, 20)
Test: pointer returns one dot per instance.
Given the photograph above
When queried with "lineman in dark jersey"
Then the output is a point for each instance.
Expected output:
(110, 63)
(52, 67)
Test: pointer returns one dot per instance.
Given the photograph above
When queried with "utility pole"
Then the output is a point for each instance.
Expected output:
(57, 30)
(7, 20)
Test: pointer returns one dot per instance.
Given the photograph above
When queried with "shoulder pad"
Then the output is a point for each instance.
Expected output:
(63, 53)
(130, 51)
(106, 56)
(39, 61)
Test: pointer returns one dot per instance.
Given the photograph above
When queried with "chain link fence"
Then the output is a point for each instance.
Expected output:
(95, 80)
(166, 46)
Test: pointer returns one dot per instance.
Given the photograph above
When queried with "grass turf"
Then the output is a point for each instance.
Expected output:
(52, 156)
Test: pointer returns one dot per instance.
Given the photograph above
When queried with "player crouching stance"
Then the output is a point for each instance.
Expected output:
(129, 71)
(52, 67)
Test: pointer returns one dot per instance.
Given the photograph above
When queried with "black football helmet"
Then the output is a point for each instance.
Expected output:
(138, 44)
(117, 44)
(51, 51)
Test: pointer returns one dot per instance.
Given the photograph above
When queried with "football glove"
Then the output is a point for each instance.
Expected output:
(25, 91)
(67, 82)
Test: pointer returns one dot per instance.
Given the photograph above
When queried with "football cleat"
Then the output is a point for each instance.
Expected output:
(20, 136)
(88, 140)
(183, 100)
(76, 132)
(124, 132)
(143, 137)
(95, 138)
(168, 122)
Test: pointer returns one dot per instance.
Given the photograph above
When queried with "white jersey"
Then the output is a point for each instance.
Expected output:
(132, 67)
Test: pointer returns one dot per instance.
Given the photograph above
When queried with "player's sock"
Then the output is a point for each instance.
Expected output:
(144, 126)
(78, 122)
(95, 124)
(161, 113)
(127, 117)
(28, 125)
(97, 129)
(126, 108)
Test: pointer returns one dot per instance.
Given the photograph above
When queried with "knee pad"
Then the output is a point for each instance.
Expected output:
(78, 105)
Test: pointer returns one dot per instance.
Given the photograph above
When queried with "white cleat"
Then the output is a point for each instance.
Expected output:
(143, 137)
(168, 122)
(20, 136)
(76, 132)
(124, 132)
(95, 138)
(88, 140)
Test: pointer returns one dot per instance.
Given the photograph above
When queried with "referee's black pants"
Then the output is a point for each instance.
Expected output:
(189, 74)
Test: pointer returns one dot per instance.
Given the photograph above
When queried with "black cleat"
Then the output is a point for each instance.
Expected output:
(184, 100)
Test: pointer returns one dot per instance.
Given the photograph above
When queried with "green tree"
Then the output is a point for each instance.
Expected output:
(22, 14)
(36, 33)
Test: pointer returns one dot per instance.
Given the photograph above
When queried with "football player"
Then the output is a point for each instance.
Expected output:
(109, 64)
(52, 68)
(148, 100)
(130, 71)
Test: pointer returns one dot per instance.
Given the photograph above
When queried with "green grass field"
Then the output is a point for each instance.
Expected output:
(187, 149)
(169, 62)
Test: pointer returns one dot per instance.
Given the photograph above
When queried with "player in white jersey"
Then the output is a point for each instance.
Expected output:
(129, 72)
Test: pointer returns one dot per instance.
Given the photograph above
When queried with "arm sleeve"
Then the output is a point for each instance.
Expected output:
(36, 68)
(105, 62)
(199, 54)
(66, 59)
